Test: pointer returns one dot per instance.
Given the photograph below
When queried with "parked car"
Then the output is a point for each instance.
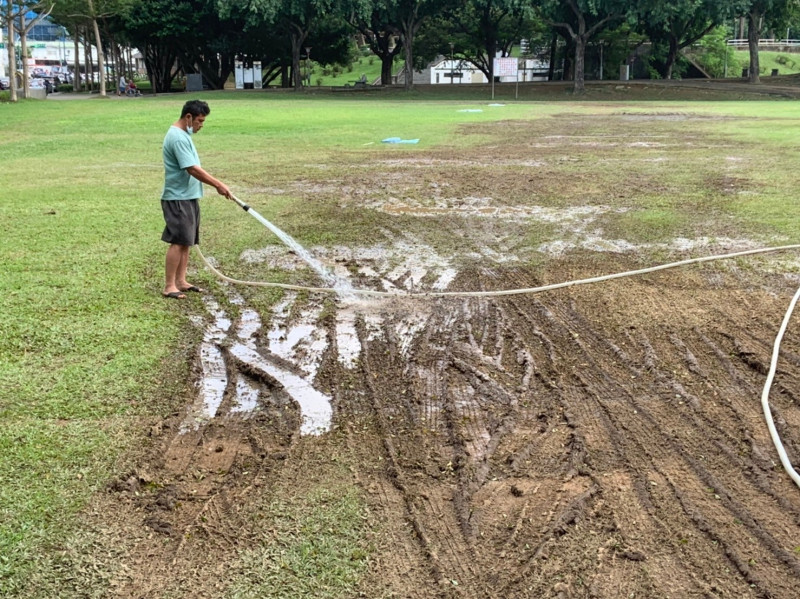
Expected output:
(5, 83)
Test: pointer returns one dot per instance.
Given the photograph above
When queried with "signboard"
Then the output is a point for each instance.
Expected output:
(238, 72)
(257, 74)
(506, 67)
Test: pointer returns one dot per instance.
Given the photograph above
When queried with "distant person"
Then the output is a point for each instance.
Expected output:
(180, 199)
(123, 85)
(132, 90)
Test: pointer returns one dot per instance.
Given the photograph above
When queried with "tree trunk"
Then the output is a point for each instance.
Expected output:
(23, 50)
(408, 69)
(551, 70)
(12, 56)
(672, 56)
(88, 65)
(298, 37)
(76, 73)
(101, 66)
(580, 56)
(753, 35)
(160, 61)
(387, 62)
(409, 26)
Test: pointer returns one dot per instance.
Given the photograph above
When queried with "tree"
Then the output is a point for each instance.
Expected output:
(410, 16)
(210, 43)
(157, 28)
(296, 19)
(23, 9)
(760, 13)
(580, 20)
(376, 23)
(486, 27)
(9, 15)
(67, 14)
(680, 23)
(15, 17)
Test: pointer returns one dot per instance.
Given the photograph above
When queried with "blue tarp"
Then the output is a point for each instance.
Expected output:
(398, 140)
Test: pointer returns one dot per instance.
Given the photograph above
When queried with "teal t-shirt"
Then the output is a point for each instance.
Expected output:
(179, 154)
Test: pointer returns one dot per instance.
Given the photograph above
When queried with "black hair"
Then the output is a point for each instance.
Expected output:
(195, 108)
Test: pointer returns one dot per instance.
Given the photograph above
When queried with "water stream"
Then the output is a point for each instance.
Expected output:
(326, 275)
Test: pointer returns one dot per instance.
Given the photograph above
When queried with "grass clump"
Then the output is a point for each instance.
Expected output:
(317, 548)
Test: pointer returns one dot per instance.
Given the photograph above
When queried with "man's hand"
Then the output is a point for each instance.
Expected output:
(223, 190)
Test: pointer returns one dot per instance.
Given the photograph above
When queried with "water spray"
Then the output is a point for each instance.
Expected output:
(337, 284)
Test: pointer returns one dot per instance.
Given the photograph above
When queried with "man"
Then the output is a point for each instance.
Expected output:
(180, 200)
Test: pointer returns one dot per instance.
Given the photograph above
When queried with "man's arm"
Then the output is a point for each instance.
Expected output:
(204, 177)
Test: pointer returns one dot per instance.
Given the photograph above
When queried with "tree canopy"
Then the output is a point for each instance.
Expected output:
(206, 36)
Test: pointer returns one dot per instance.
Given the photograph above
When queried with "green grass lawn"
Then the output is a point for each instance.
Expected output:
(90, 354)
(787, 63)
(366, 65)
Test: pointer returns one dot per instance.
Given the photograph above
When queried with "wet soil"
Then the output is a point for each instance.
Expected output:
(601, 441)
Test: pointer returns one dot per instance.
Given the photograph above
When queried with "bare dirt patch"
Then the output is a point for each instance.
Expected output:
(602, 441)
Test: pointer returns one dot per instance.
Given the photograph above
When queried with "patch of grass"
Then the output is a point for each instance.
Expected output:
(317, 548)
(48, 469)
(649, 225)
(787, 63)
(367, 65)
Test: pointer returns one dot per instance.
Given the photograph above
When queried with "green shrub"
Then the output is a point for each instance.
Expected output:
(5, 96)
(65, 87)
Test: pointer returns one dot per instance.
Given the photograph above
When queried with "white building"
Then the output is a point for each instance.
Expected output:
(454, 72)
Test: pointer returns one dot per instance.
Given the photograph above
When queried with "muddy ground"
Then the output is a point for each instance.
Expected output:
(600, 441)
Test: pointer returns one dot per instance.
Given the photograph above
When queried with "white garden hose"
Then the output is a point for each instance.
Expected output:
(773, 432)
(525, 290)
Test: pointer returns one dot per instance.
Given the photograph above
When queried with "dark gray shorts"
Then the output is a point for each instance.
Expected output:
(182, 218)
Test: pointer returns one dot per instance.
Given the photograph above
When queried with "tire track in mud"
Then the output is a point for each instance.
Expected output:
(419, 505)
(596, 385)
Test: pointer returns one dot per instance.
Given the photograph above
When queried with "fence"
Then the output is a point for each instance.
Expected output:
(773, 43)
